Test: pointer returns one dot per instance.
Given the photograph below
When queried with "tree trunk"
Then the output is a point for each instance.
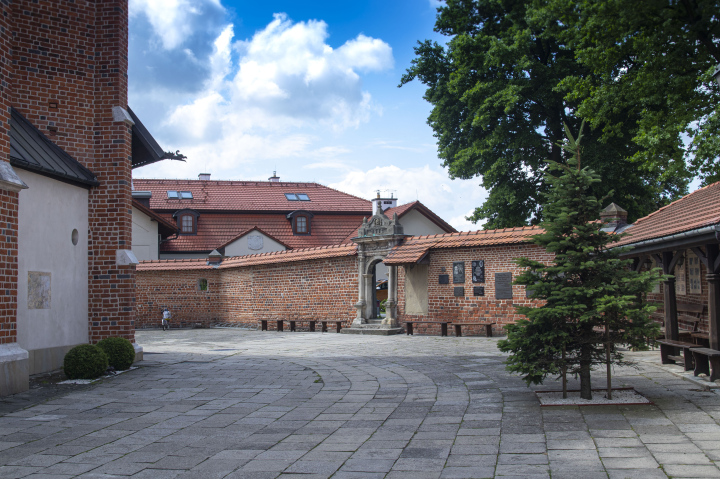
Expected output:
(585, 362)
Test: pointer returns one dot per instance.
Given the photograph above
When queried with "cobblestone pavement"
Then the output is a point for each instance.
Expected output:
(245, 404)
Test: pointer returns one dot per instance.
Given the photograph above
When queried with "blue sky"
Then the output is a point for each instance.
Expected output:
(305, 88)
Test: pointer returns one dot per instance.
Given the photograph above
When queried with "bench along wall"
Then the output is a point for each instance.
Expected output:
(320, 289)
(423, 295)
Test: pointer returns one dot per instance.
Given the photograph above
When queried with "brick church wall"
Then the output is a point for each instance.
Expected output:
(320, 289)
(444, 306)
(70, 69)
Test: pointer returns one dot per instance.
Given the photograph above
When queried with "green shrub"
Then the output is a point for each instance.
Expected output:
(86, 361)
(120, 352)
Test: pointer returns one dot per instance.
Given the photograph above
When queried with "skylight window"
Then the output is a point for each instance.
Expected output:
(179, 195)
(173, 195)
(297, 197)
(186, 195)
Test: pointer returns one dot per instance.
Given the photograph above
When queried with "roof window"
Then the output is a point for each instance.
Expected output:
(297, 197)
(179, 195)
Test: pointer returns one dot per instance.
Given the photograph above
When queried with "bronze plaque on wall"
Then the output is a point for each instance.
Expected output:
(478, 271)
(478, 290)
(444, 279)
(459, 291)
(503, 286)
(458, 272)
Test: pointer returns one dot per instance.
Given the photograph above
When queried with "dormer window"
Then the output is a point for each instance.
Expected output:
(300, 221)
(187, 221)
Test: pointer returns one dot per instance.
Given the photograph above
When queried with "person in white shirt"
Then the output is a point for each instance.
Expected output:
(165, 318)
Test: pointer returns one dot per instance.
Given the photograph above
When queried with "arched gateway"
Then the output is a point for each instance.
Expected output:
(376, 237)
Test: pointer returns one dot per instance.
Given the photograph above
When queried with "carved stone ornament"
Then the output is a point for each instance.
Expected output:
(255, 242)
(380, 225)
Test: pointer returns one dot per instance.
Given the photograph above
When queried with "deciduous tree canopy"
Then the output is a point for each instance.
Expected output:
(513, 71)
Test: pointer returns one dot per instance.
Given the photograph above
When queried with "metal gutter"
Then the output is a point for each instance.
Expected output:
(685, 234)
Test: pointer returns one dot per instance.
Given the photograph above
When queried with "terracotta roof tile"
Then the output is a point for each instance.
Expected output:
(414, 248)
(249, 196)
(215, 230)
(173, 264)
(696, 210)
(287, 256)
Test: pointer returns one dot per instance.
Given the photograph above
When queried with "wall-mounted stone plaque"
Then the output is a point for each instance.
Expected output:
(459, 291)
(478, 271)
(478, 290)
(255, 242)
(458, 272)
(444, 279)
(38, 290)
(503, 286)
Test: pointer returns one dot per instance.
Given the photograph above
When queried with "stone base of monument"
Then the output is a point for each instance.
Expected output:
(373, 326)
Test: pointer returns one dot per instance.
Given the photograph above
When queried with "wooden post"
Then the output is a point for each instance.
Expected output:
(607, 361)
(713, 280)
(670, 301)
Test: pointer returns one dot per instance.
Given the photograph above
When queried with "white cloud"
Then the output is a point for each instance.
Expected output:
(452, 200)
(172, 20)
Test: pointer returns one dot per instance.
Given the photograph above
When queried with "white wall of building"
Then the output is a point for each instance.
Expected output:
(49, 211)
(144, 236)
(253, 243)
(416, 224)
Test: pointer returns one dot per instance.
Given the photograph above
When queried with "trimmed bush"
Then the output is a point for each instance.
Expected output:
(120, 352)
(86, 361)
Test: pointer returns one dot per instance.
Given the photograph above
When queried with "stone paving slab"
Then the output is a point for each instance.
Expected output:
(230, 403)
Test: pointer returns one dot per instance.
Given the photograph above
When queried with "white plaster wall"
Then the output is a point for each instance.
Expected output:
(49, 210)
(416, 224)
(240, 247)
(144, 236)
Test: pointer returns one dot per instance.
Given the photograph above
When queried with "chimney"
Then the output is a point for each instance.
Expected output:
(613, 217)
(382, 204)
(274, 178)
(142, 197)
(204, 177)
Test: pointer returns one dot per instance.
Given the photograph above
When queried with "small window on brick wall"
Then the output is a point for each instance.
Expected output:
(202, 284)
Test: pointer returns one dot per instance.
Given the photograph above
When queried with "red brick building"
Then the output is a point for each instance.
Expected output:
(68, 143)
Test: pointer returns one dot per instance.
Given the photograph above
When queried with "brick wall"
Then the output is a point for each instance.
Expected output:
(443, 305)
(70, 69)
(315, 289)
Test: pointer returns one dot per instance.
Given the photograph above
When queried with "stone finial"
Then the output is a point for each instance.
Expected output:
(614, 214)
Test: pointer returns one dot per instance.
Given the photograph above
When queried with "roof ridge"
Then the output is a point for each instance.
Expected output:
(676, 201)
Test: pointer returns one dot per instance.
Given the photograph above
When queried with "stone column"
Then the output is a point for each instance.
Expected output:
(391, 303)
(360, 305)
(369, 307)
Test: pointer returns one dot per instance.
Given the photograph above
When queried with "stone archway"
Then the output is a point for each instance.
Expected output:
(376, 237)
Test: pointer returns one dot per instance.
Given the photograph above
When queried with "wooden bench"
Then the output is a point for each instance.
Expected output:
(488, 328)
(668, 348)
(704, 355)
(338, 326)
(443, 326)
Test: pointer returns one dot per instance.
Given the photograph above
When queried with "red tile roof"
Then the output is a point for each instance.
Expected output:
(287, 256)
(166, 227)
(406, 208)
(216, 230)
(696, 210)
(414, 248)
(249, 196)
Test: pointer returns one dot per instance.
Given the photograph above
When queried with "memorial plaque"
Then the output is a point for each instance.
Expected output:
(444, 279)
(478, 271)
(529, 292)
(459, 291)
(458, 272)
(478, 290)
(503, 286)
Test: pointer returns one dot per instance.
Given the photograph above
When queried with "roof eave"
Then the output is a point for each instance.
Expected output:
(683, 240)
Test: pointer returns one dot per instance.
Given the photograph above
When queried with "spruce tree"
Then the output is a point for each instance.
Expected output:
(592, 299)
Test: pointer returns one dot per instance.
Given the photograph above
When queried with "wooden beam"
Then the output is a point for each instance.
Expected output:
(641, 260)
(669, 299)
(658, 260)
(674, 262)
(699, 253)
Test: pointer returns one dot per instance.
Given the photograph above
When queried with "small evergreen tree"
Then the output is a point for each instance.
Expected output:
(593, 300)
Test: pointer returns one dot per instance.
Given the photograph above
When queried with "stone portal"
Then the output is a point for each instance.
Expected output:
(376, 237)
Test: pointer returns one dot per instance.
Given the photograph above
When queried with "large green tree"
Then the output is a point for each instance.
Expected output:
(511, 73)
(653, 61)
(592, 299)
